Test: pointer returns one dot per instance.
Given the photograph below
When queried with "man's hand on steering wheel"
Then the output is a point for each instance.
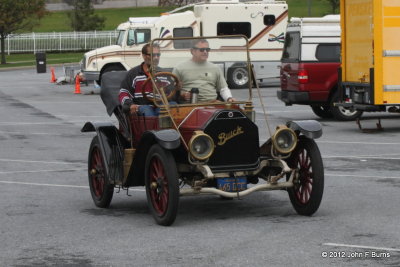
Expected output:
(166, 82)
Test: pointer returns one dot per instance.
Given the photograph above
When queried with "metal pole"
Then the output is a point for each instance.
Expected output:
(309, 8)
(8, 42)
(34, 42)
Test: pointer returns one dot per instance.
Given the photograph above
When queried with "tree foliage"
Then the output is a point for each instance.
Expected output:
(335, 4)
(17, 15)
(175, 2)
(83, 18)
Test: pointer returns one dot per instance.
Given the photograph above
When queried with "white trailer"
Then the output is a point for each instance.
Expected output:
(262, 21)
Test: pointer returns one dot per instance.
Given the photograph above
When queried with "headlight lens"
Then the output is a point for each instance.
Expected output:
(201, 146)
(284, 140)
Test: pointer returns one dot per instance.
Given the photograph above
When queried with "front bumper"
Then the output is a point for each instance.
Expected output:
(91, 75)
(290, 97)
(272, 184)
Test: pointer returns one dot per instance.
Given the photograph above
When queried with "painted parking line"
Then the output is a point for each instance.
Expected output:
(363, 157)
(360, 246)
(63, 185)
(38, 184)
(359, 143)
(42, 161)
(42, 123)
(361, 176)
(38, 171)
(29, 133)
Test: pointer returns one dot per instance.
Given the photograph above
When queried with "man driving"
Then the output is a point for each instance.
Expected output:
(130, 95)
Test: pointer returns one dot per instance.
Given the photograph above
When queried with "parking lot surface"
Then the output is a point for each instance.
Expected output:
(48, 217)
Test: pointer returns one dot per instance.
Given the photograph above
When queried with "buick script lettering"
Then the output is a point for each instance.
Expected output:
(224, 137)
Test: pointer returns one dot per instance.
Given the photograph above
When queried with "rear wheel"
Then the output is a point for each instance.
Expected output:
(341, 113)
(306, 194)
(100, 188)
(162, 187)
(323, 112)
(238, 77)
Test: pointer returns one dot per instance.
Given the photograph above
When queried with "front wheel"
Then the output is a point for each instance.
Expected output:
(100, 188)
(162, 187)
(306, 194)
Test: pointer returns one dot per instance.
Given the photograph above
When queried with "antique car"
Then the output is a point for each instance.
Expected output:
(194, 148)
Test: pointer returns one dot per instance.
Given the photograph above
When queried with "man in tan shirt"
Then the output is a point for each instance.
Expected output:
(199, 73)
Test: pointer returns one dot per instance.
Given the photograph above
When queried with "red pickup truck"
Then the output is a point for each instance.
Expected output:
(309, 66)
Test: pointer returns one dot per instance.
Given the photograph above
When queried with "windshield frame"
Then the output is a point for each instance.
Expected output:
(248, 63)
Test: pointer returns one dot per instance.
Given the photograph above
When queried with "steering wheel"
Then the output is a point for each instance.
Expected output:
(165, 81)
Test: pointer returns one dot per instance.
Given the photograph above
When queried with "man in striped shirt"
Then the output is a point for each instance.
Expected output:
(130, 94)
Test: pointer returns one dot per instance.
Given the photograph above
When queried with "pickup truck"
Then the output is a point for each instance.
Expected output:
(309, 67)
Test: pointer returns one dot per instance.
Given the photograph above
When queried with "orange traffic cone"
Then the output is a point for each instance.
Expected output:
(77, 85)
(53, 76)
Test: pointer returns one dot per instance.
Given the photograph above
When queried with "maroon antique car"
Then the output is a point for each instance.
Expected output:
(199, 148)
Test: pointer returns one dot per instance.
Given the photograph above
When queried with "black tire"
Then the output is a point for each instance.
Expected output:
(100, 188)
(110, 69)
(323, 112)
(306, 194)
(162, 188)
(341, 113)
(238, 77)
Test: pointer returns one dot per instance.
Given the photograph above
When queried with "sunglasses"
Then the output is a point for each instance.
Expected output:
(202, 49)
(154, 54)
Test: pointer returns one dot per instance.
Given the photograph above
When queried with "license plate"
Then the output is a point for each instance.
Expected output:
(232, 184)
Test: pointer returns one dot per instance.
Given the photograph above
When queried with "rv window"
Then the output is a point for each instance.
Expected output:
(120, 38)
(233, 28)
(142, 36)
(291, 49)
(269, 20)
(328, 52)
(138, 36)
(182, 32)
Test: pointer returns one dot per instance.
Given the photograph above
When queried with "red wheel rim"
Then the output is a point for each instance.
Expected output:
(97, 177)
(158, 184)
(303, 185)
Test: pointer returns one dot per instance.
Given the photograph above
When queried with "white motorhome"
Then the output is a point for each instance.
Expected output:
(262, 21)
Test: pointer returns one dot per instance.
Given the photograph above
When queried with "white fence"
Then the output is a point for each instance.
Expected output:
(59, 41)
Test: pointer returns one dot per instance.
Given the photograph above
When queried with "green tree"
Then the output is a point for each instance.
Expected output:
(335, 4)
(83, 18)
(17, 15)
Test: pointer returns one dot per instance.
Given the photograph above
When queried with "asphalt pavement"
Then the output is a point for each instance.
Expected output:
(48, 217)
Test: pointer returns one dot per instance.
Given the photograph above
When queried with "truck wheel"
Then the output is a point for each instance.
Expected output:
(100, 188)
(341, 113)
(110, 69)
(323, 112)
(306, 194)
(238, 77)
(162, 189)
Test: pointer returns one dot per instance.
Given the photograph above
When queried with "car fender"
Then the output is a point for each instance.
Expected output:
(167, 138)
(112, 142)
(309, 128)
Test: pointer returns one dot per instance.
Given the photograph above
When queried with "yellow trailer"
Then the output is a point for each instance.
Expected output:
(370, 70)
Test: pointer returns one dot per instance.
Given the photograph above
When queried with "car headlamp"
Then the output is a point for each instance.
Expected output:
(201, 145)
(284, 140)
